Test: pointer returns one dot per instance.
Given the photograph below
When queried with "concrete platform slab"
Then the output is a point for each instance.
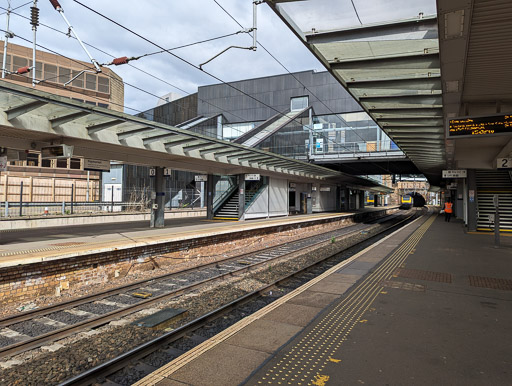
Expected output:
(264, 335)
(331, 287)
(293, 314)
(214, 368)
(313, 299)
(342, 278)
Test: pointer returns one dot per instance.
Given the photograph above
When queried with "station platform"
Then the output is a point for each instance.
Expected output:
(26, 246)
(429, 304)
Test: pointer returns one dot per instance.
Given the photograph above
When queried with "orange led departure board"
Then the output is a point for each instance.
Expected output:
(478, 126)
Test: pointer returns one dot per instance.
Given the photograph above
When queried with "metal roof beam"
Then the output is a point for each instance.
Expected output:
(91, 129)
(60, 120)
(212, 149)
(160, 137)
(131, 133)
(195, 147)
(178, 142)
(25, 108)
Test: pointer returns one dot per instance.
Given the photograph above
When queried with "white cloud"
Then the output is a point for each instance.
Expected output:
(170, 24)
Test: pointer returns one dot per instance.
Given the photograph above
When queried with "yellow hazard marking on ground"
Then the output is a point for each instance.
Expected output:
(363, 321)
(328, 335)
(291, 357)
(334, 360)
(320, 380)
(384, 292)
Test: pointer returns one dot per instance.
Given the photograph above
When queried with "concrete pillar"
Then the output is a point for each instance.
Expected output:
(472, 200)
(157, 211)
(209, 197)
(241, 196)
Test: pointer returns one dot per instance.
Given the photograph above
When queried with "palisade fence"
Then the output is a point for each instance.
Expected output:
(32, 196)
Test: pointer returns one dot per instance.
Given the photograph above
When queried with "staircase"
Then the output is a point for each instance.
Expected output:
(490, 183)
(266, 129)
(229, 210)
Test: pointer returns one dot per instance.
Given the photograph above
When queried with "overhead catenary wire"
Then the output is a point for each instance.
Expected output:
(298, 81)
(118, 80)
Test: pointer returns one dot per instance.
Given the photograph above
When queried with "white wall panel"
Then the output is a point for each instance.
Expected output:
(278, 202)
(259, 207)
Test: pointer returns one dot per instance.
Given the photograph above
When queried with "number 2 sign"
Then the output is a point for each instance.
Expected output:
(504, 163)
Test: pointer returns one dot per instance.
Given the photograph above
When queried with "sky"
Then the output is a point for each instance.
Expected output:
(173, 23)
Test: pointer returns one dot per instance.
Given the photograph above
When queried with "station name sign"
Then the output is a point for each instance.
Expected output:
(462, 173)
(480, 126)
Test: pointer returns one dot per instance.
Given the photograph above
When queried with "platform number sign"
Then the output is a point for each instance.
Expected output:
(504, 163)
(167, 172)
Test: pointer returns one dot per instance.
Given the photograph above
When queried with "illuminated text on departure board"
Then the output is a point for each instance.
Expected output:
(480, 126)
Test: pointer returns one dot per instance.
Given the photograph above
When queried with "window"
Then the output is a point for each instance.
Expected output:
(299, 103)
(64, 75)
(62, 163)
(104, 105)
(90, 82)
(32, 159)
(19, 62)
(79, 81)
(74, 163)
(103, 85)
(50, 72)
(39, 70)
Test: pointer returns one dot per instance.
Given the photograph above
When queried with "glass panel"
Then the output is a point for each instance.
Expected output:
(64, 75)
(327, 14)
(90, 82)
(32, 159)
(39, 70)
(299, 103)
(50, 72)
(103, 85)
(19, 62)
(62, 163)
(74, 163)
(79, 81)
(105, 105)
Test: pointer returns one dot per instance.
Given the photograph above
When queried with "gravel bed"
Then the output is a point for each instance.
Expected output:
(4, 341)
(97, 308)
(76, 357)
(128, 376)
(73, 359)
(161, 357)
(67, 317)
(31, 328)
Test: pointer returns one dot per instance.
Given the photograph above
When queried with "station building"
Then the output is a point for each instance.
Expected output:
(51, 180)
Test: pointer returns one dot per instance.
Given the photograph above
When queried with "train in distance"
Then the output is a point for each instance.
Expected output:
(413, 199)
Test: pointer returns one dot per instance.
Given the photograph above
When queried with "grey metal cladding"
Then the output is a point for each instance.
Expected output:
(275, 91)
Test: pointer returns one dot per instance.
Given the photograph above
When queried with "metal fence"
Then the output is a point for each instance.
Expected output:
(175, 199)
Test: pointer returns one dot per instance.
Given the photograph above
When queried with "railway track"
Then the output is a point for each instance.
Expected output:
(170, 345)
(34, 328)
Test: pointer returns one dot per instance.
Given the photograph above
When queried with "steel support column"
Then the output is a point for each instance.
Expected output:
(209, 197)
(157, 210)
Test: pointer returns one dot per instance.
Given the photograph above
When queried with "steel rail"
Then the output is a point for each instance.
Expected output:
(103, 319)
(111, 366)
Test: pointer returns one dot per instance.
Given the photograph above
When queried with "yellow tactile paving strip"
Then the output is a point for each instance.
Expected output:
(304, 362)
(173, 366)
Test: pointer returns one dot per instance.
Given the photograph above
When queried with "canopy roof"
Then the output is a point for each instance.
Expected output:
(31, 119)
(392, 69)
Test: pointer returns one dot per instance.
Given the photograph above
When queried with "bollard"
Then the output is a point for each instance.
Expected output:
(46, 211)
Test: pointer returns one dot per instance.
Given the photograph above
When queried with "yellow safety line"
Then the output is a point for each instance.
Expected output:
(305, 361)
(209, 344)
